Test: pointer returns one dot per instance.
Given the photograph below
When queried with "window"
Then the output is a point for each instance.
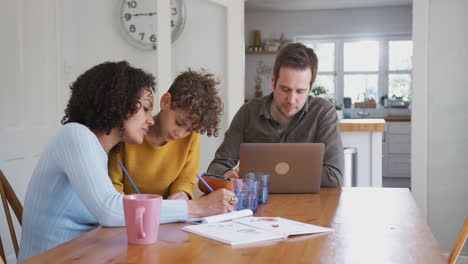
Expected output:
(399, 69)
(326, 75)
(363, 68)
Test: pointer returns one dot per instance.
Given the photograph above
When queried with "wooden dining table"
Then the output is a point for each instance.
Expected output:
(371, 225)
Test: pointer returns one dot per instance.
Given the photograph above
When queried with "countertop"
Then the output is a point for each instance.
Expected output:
(397, 118)
(368, 125)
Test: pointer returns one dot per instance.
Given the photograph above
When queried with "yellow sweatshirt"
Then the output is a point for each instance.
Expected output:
(162, 170)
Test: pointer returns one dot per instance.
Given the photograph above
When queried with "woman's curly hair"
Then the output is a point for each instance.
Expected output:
(106, 95)
(196, 93)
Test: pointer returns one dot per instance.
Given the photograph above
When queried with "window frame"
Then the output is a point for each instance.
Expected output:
(339, 73)
(409, 72)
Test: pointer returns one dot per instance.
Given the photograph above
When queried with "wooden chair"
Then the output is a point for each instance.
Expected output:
(459, 243)
(9, 197)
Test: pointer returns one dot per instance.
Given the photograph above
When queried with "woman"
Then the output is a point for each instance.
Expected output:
(70, 192)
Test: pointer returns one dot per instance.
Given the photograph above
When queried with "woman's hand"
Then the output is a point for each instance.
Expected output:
(178, 196)
(219, 202)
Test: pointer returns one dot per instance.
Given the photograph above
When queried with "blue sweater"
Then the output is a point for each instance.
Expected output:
(70, 193)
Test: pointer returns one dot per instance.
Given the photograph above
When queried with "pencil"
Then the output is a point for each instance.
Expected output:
(129, 178)
(205, 183)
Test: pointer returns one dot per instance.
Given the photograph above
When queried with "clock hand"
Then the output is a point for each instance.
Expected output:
(145, 14)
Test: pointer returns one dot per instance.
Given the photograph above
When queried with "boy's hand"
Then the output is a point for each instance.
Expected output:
(178, 196)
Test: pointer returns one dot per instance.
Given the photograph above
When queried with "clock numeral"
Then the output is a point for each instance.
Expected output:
(172, 23)
(128, 16)
(132, 4)
(153, 38)
(132, 28)
(174, 11)
(142, 35)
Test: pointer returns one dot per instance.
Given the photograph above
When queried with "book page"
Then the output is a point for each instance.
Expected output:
(232, 233)
(282, 226)
(221, 217)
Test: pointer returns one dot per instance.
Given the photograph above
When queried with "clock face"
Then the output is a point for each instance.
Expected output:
(139, 22)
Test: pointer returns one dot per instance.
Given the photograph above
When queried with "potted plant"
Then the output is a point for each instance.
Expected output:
(319, 91)
(338, 107)
(383, 100)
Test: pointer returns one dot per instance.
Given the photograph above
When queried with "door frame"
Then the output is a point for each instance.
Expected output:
(419, 124)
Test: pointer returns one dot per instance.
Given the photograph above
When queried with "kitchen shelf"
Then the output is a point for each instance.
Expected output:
(261, 52)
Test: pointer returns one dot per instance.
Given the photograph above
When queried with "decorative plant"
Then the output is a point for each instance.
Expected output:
(319, 91)
(382, 99)
(337, 105)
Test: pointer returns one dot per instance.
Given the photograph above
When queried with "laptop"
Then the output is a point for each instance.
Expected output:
(294, 167)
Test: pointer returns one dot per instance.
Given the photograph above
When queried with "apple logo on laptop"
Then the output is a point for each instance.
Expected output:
(282, 168)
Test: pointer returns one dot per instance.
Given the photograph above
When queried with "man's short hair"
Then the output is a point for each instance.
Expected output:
(197, 94)
(296, 56)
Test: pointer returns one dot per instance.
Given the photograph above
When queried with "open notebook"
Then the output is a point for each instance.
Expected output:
(253, 229)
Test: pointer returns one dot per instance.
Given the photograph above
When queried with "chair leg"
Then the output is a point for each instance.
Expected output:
(2, 251)
(10, 222)
(459, 243)
(12, 198)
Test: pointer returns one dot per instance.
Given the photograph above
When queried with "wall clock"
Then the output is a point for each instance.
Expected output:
(139, 21)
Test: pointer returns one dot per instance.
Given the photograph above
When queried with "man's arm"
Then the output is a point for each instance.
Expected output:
(227, 155)
(328, 132)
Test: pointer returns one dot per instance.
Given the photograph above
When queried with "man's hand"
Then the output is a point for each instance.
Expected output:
(178, 196)
(219, 202)
(234, 173)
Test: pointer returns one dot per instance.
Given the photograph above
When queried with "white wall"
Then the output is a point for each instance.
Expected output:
(93, 35)
(28, 92)
(96, 37)
(382, 20)
(47, 44)
(447, 147)
(203, 45)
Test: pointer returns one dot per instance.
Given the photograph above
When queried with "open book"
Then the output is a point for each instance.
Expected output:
(253, 229)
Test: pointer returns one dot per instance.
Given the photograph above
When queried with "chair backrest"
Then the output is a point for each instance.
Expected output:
(9, 198)
(459, 243)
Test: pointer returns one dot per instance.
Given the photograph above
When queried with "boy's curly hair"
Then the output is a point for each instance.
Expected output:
(197, 94)
(106, 95)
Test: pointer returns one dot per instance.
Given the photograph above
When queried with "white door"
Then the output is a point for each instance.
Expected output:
(28, 93)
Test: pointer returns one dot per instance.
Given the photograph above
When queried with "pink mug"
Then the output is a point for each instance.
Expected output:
(142, 212)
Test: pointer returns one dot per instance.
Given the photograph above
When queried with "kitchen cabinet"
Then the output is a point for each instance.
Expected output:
(396, 150)
(365, 135)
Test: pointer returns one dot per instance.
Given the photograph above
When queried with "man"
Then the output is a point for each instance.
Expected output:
(288, 115)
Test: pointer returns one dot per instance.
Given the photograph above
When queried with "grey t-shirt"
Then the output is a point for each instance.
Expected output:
(316, 122)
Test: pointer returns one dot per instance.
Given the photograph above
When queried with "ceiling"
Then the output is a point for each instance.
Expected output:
(302, 5)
